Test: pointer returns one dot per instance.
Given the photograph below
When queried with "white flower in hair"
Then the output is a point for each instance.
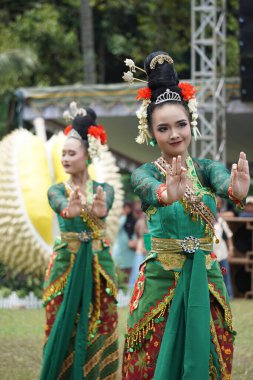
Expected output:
(141, 113)
(128, 77)
(192, 105)
(130, 63)
(73, 112)
(95, 147)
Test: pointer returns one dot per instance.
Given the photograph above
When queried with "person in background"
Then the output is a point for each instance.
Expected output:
(224, 248)
(122, 252)
(248, 209)
(140, 250)
(243, 236)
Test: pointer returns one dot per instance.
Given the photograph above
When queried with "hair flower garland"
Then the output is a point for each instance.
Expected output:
(96, 138)
(188, 94)
(143, 94)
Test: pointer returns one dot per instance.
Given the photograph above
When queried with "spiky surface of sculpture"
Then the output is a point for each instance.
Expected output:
(27, 225)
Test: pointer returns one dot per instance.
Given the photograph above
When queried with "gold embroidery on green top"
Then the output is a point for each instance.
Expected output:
(197, 186)
(192, 199)
(151, 211)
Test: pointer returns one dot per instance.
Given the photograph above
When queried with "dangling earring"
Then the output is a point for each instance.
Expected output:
(153, 142)
(88, 162)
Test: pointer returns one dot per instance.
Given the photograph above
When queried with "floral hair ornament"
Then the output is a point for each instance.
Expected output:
(69, 115)
(73, 112)
(96, 138)
(143, 94)
(188, 94)
(129, 76)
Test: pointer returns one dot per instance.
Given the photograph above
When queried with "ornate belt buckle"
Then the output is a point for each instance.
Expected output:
(190, 244)
(84, 236)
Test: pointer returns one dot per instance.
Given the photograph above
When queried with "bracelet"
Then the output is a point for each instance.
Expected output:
(65, 213)
(159, 192)
(237, 202)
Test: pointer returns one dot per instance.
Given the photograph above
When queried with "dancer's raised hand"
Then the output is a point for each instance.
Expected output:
(176, 181)
(75, 205)
(240, 179)
(99, 203)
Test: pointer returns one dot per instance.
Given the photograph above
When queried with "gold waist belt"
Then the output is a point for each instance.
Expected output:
(171, 253)
(74, 239)
(187, 245)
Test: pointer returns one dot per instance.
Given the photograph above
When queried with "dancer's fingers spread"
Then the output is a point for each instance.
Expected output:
(179, 165)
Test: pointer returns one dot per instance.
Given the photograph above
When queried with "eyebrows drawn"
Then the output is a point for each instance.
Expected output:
(167, 124)
(68, 150)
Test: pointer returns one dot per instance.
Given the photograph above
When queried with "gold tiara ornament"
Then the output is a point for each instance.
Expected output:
(160, 58)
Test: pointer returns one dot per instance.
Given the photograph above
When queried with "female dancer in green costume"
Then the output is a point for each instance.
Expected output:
(79, 292)
(180, 324)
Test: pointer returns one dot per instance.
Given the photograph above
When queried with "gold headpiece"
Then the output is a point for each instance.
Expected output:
(161, 58)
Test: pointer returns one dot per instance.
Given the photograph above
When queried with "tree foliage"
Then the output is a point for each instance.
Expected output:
(40, 40)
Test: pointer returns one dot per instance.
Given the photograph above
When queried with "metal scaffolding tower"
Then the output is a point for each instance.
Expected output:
(208, 65)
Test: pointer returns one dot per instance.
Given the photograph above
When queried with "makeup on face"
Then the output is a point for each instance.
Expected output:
(171, 129)
(73, 156)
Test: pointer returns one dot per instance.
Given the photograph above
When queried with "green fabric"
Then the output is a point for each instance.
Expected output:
(77, 298)
(187, 337)
(77, 293)
(186, 345)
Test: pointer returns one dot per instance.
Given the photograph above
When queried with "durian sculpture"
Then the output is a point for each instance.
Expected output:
(28, 167)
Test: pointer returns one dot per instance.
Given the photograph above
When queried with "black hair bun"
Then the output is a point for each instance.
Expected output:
(82, 123)
(91, 113)
(162, 76)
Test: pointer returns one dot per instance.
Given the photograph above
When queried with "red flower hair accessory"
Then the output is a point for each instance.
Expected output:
(67, 129)
(144, 93)
(188, 94)
(188, 90)
(98, 132)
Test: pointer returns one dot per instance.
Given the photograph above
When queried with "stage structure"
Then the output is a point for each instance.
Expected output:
(208, 65)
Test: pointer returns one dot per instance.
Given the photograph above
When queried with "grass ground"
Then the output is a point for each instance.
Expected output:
(21, 337)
